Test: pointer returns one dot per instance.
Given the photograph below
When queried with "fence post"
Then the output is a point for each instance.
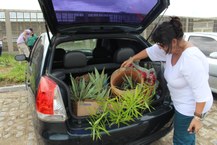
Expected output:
(8, 31)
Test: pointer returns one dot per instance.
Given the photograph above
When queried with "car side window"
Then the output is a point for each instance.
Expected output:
(36, 60)
(206, 44)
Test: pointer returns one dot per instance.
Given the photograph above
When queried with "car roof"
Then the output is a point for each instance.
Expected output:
(92, 16)
(207, 34)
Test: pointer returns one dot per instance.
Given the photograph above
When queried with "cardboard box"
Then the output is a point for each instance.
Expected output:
(85, 108)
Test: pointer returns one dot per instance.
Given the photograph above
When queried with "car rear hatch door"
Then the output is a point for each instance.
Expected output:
(100, 16)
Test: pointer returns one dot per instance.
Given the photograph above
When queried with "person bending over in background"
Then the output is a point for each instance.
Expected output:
(186, 73)
(21, 42)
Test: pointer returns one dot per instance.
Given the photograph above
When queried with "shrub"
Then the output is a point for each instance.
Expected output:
(11, 71)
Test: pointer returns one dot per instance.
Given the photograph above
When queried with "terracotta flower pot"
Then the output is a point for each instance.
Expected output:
(117, 78)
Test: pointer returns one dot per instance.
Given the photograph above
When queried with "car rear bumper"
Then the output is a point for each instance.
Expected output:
(148, 129)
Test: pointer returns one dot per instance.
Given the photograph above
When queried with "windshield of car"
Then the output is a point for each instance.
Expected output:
(82, 45)
(113, 11)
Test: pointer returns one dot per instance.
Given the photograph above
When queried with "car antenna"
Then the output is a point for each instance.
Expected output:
(157, 24)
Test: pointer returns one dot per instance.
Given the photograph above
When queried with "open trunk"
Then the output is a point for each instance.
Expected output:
(101, 53)
(85, 35)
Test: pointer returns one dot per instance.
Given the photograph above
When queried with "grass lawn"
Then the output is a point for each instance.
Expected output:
(11, 71)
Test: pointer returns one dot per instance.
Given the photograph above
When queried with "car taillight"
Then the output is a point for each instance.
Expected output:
(49, 103)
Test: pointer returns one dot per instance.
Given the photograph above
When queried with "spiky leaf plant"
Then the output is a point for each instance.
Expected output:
(120, 110)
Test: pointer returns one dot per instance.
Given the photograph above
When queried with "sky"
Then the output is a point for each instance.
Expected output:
(186, 8)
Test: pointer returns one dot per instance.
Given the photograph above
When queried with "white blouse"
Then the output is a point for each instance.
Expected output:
(187, 80)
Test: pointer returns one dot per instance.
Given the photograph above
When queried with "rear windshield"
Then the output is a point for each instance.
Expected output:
(82, 45)
(102, 11)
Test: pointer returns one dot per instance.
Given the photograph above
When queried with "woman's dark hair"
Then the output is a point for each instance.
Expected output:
(31, 29)
(167, 31)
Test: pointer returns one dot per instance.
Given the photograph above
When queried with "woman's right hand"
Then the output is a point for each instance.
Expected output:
(127, 62)
(141, 55)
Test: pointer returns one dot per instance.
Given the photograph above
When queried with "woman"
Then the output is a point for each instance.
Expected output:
(186, 72)
(21, 42)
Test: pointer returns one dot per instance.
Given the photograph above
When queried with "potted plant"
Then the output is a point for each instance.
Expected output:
(125, 79)
(120, 110)
(87, 91)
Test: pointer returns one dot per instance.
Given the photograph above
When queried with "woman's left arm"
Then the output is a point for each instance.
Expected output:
(196, 123)
(196, 73)
(199, 109)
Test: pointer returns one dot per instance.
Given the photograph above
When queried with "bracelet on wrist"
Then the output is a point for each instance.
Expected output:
(198, 114)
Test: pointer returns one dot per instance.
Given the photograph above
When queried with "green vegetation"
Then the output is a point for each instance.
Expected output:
(129, 83)
(90, 87)
(120, 110)
(11, 71)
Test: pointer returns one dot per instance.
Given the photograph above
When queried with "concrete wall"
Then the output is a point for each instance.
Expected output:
(189, 25)
(12, 24)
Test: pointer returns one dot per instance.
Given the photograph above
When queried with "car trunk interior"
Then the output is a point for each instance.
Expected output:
(68, 60)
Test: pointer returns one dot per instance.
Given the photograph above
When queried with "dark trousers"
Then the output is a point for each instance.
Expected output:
(181, 135)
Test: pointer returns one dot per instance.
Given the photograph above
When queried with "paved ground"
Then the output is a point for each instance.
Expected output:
(16, 126)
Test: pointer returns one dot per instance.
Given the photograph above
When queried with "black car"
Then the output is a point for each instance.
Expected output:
(88, 34)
